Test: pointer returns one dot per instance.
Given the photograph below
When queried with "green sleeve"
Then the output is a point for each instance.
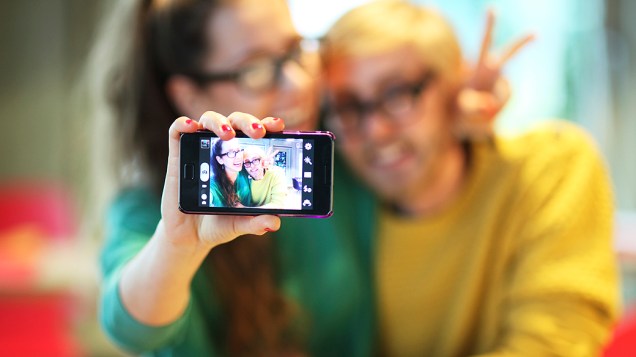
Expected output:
(215, 195)
(131, 221)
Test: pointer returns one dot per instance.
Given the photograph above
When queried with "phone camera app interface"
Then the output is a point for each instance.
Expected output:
(265, 173)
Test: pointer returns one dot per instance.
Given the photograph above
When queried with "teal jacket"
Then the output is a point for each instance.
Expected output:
(324, 267)
(243, 190)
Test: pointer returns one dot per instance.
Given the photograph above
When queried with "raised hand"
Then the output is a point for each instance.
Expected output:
(486, 91)
(209, 229)
(155, 284)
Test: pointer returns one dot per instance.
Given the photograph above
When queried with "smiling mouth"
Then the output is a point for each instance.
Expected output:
(389, 156)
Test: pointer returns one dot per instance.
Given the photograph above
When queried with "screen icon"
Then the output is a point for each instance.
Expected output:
(308, 160)
(307, 174)
(204, 174)
(205, 143)
(308, 146)
(307, 189)
(306, 203)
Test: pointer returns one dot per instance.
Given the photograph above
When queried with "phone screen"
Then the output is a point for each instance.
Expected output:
(287, 174)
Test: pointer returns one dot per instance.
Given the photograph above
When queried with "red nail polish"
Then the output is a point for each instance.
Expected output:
(269, 230)
(188, 121)
(257, 126)
(226, 127)
(276, 118)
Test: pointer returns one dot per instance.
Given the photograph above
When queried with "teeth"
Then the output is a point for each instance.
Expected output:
(388, 154)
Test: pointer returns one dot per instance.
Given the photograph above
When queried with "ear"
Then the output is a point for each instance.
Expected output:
(219, 160)
(185, 95)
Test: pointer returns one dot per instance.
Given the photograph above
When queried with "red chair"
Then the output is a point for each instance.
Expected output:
(42, 204)
(34, 321)
(623, 341)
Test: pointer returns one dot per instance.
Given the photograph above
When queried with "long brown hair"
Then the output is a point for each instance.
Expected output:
(228, 197)
(144, 43)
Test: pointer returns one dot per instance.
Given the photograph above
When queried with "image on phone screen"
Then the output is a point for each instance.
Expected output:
(273, 174)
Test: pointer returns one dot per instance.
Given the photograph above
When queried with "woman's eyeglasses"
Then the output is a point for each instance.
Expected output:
(249, 164)
(232, 153)
(396, 103)
(261, 75)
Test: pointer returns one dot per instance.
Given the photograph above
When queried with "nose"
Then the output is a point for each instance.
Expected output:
(376, 127)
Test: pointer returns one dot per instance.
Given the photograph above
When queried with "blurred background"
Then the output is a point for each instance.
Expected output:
(581, 67)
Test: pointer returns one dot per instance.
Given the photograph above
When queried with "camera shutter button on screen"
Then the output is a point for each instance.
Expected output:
(204, 175)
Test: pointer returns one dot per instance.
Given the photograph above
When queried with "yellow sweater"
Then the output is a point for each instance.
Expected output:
(520, 264)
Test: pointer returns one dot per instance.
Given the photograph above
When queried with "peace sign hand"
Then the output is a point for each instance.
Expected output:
(486, 92)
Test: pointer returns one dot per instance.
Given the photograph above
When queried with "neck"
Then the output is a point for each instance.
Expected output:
(442, 186)
(232, 175)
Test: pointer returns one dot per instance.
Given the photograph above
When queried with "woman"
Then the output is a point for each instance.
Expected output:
(171, 285)
(162, 291)
(230, 185)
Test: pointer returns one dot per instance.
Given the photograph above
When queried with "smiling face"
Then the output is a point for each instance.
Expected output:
(399, 83)
(231, 164)
(254, 165)
(247, 32)
(397, 155)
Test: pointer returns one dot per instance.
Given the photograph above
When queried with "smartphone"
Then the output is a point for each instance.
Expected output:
(286, 174)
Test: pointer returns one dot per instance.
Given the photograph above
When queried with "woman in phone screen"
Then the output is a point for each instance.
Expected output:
(230, 186)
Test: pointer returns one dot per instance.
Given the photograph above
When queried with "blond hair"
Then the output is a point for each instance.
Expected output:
(386, 25)
(250, 151)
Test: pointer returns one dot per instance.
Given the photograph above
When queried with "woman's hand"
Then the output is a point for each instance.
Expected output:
(155, 284)
(208, 231)
(486, 92)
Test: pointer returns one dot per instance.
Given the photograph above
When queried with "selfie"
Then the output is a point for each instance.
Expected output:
(283, 175)
(296, 178)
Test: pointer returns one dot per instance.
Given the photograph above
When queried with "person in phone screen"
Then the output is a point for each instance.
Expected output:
(267, 181)
(230, 186)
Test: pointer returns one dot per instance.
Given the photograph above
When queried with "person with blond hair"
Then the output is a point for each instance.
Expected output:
(487, 245)
(267, 182)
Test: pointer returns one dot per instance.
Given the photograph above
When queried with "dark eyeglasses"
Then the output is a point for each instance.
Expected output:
(232, 153)
(249, 164)
(396, 103)
(259, 76)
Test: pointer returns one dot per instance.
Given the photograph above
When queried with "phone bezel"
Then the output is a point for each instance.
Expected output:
(323, 176)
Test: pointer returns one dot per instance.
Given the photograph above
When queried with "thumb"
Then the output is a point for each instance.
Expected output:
(257, 225)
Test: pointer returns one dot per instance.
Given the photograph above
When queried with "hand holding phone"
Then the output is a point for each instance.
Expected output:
(288, 174)
(202, 232)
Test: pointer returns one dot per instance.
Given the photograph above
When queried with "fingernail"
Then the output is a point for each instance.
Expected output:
(269, 230)
(257, 126)
(226, 127)
(188, 121)
(276, 118)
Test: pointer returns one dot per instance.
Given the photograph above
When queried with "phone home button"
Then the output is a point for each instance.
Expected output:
(188, 171)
